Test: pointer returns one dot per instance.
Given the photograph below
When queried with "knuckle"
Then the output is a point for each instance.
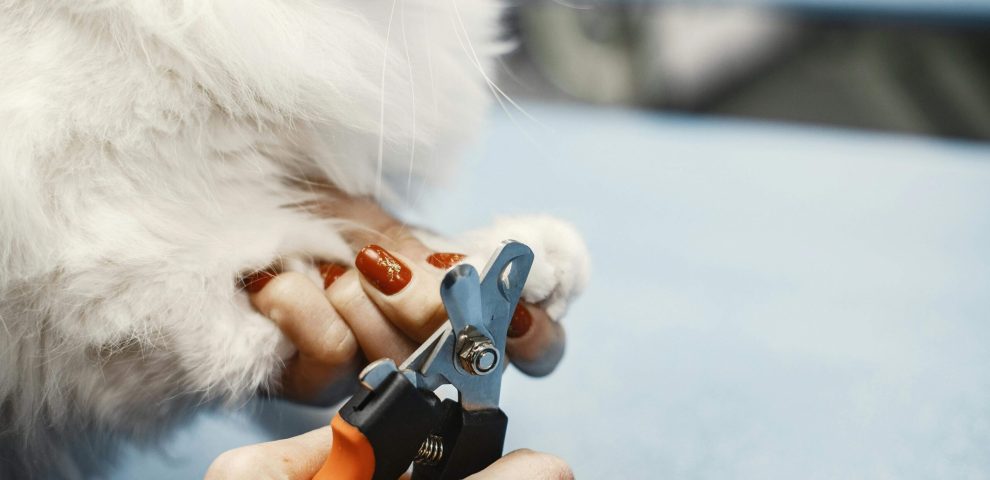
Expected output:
(337, 349)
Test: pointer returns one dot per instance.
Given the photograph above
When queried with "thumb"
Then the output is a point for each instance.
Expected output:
(526, 463)
(296, 458)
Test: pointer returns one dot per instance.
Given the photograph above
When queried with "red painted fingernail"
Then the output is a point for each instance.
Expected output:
(444, 260)
(521, 321)
(331, 272)
(255, 281)
(384, 271)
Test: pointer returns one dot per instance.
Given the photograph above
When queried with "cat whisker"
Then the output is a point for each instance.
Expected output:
(477, 63)
(497, 92)
(436, 113)
(412, 98)
(381, 135)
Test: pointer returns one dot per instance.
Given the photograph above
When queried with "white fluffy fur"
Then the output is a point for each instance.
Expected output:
(148, 152)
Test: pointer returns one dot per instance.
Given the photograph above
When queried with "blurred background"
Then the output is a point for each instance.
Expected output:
(787, 203)
(919, 66)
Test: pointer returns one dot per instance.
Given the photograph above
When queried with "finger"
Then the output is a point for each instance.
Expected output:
(444, 260)
(403, 240)
(300, 310)
(407, 293)
(330, 272)
(296, 458)
(535, 343)
(376, 335)
(526, 464)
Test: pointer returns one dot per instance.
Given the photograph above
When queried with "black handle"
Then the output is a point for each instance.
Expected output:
(395, 417)
(472, 440)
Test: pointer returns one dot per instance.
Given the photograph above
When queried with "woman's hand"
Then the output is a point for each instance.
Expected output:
(400, 277)
(387, 306)
(326, 347)
(299, 458)
(392, 304)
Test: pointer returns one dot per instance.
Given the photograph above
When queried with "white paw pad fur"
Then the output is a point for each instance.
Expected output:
(562, 264)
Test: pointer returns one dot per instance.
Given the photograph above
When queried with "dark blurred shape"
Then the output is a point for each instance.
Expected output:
(882, 69)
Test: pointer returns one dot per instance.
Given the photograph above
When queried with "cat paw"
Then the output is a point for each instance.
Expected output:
(561, 266)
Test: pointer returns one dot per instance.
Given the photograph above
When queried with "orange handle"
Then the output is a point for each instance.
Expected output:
(351, 456)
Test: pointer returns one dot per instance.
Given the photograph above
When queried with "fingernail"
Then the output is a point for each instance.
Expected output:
(331, 272)
(255, 281)
(384, 271)
(444, 260)
(521, 321)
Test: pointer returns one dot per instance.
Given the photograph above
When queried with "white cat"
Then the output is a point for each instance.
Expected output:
(150, 152)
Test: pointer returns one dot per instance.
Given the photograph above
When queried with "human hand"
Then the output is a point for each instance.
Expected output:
(299, 458)
(387, 306)
(400, 307)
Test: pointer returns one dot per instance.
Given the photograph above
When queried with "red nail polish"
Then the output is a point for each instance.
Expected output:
(521, 321)
(384, 271)
(331, 272)
(255, 281)
(444, 260)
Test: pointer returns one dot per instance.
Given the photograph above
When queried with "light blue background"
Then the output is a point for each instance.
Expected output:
(767, 301)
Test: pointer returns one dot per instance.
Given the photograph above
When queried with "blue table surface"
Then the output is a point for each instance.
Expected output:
(768, 301)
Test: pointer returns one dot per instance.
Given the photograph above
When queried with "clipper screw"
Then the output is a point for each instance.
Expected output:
(478, 355)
